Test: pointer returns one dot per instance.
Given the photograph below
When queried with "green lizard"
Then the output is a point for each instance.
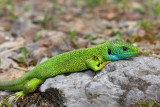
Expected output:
(94, 58)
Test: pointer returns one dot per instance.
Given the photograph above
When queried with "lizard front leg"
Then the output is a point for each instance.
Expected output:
(96, 65)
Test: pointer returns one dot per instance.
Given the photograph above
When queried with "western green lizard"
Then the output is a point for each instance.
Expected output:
(94, 58)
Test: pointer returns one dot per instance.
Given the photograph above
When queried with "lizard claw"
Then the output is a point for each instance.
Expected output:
(17, 96)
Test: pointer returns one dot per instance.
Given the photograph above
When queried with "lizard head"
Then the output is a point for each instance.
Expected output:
(117, 50)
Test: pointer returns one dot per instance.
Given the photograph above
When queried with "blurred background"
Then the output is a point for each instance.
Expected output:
(84, 22)
(34, 30)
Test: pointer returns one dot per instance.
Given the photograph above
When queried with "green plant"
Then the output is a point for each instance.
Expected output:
(46, 19)
(143, 103)
(12, 16)
(121, 3)
(5, 102)
(72, 37)
(5, 1)
(72, 34)
(116, 2)
(132, 39)
(88, 36)
(26, 8)
(24, 53)
(0, 62)
(26, 59)
(7, 8)
(37, 37)
(151, 103)
(146, 24)
(153, 7)
(118, 34)
(91, 36)
(94, 2)
(49, 21)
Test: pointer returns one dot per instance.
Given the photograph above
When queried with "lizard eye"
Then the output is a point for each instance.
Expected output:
(109, 51)
(125, 48)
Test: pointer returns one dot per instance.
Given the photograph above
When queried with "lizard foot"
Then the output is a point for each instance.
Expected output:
(17, 96)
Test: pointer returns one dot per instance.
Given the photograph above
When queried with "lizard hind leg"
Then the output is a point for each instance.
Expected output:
(29, 87)
(32, 85)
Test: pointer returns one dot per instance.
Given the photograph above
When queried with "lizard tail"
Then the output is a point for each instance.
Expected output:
(16, 84)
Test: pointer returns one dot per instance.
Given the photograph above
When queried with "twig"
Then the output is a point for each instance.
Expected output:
(20, 68)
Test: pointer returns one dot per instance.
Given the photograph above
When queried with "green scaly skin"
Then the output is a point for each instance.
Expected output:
(94, 58)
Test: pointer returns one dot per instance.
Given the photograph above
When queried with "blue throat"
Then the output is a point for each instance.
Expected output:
(115, 57)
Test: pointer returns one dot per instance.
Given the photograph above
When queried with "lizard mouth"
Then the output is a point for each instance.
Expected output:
(130, 54)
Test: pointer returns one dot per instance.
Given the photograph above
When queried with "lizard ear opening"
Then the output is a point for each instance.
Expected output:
(109, 51)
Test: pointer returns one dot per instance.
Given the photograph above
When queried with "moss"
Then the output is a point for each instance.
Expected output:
(144, 103)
